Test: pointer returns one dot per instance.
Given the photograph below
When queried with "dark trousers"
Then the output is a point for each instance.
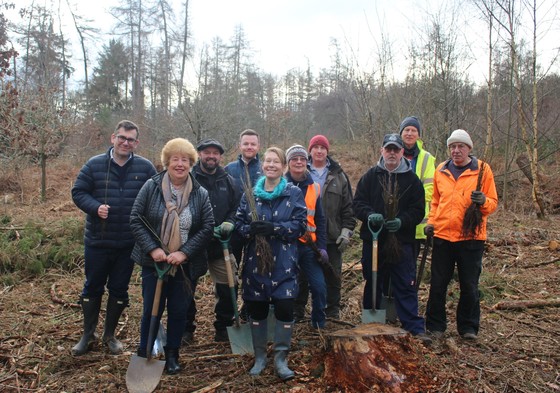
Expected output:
(402, 276)
(175, 295)
(283, 309)
(312, 279)
(468, 257)
(334, 282)
(107, 266)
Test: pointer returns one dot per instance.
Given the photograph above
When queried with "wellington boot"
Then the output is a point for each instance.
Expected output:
(115, 308)
(282, 339)
(90, 309)
(259, 331)
(172, 365)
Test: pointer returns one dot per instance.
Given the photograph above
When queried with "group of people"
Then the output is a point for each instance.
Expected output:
(287, 217)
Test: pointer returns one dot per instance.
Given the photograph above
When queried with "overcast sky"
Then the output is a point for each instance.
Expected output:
(290, 33)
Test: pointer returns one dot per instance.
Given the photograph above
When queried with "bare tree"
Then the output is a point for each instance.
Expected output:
(508, 7)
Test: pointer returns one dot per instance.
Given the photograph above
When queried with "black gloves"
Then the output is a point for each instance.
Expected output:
(478, 197)
(264, 228)
(429, 230)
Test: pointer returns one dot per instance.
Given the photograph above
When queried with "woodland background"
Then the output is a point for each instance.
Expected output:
(50, 123)
(141, 74)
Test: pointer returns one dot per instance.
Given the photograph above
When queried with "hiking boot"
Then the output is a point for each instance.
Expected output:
(436, 334)
(424, 338)
(470, 336)
(188, 337)
(221, 336)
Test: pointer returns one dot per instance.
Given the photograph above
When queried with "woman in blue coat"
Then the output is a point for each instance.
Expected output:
(278, 215)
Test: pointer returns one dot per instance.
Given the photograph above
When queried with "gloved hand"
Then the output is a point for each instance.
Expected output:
(218, 232)
(478, 197)
(375, 220)
(343, 239)
(264, 228)
(226, 229)
(393, 225)
(324, 256)
(429, 230)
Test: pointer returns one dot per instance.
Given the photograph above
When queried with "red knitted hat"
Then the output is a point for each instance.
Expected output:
(320, 140)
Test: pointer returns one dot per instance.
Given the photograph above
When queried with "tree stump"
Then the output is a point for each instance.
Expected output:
(376, 358)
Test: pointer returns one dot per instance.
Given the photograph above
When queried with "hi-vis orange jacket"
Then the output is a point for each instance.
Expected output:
(452, 197)
(313, 193)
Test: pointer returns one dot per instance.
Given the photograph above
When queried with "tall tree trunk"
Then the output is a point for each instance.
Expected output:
(183, 54)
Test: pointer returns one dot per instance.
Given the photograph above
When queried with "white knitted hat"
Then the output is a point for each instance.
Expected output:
(461, 136)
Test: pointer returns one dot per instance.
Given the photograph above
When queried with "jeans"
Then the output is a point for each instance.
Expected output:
(402, 276)
(107, 266)
(468, 257)
(313, 271)
(175, 295)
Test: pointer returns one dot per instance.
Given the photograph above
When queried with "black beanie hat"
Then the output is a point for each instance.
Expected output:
(410, 121)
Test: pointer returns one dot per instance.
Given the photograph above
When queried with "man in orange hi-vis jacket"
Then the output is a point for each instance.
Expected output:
(460, 181)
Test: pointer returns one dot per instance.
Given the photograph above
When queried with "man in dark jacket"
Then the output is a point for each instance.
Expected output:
(224, 197)
(336, 195)
(105, 190)
(392, 179)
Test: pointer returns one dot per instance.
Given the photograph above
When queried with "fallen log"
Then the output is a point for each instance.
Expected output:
(376, 358)
(524, 304)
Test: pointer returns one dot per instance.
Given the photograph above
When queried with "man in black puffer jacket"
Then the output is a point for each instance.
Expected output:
(105, 190)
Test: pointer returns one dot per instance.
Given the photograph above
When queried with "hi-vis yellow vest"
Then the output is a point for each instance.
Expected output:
(311, 196)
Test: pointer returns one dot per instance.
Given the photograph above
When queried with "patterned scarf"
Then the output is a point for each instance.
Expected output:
(170, 231)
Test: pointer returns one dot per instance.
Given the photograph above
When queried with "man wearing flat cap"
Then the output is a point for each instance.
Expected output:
(224, 198)
(392, 175)
(461, 183)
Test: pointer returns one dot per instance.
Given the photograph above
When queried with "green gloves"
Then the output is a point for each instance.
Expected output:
(375, 220)
(224, 230)
(393, 225)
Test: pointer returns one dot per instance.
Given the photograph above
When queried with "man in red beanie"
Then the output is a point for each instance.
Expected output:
(336, 195)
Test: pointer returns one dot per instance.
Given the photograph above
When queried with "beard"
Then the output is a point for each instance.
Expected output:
(209, 165)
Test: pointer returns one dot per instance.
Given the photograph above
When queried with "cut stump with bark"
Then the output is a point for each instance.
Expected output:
(376, 358)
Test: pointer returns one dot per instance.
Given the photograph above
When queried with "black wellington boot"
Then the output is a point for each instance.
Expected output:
(90, 309)
(172, 365)
(115, 308)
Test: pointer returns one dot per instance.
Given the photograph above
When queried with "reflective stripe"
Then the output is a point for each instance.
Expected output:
(311, 196)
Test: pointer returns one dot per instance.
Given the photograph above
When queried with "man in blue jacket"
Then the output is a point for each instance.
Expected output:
(247, 162)
(105, 190)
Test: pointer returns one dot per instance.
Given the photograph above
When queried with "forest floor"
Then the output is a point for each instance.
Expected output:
(517, 350)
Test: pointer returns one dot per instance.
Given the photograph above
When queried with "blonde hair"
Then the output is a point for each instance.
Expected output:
(180, 146)
(279, 152)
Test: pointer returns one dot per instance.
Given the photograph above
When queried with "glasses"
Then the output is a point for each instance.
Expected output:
(123, 139)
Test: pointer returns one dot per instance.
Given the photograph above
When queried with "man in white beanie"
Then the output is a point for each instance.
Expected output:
(461, 181)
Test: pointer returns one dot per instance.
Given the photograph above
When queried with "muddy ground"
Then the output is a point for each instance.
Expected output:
(517, 350)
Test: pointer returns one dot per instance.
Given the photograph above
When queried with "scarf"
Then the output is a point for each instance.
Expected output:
(170, 231)
(260, 192)
(411, 153)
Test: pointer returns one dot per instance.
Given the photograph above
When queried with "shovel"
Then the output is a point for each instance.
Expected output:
(388, 304)
(240, 339)
(373, 315)
(422, 266)
(143, 374)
